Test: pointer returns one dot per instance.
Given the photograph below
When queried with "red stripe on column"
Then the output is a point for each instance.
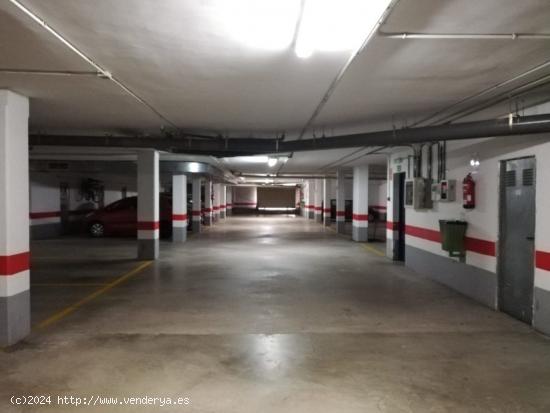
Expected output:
(360, 217)
(542, 259)
(179, 217)
(38, 215)
(207, 210)
(148, 226)
(196, 213)
(13, 264)
(318, 208)
(216, 208)
(340, 213)
(326, 210)
(392, 226)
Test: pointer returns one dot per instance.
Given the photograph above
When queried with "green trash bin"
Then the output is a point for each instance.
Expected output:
(453, 235)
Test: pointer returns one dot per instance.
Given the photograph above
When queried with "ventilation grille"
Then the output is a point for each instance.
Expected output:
(528, 177)
(510, 178)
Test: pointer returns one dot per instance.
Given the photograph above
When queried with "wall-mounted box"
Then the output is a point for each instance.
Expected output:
(418, 193)
(444, 191)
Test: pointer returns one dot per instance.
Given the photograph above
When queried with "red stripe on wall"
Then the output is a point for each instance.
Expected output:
(327, 210)
(542, 260)
(318, 208)
(148, 226)
(244, 203)
(310, 206)
(14, 264)
(476, 245)
(424, 233)
(360, 217)
(481, 246)
(38, 215)
(179, 217)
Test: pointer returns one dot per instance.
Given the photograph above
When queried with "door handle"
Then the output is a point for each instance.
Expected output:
(530, 238)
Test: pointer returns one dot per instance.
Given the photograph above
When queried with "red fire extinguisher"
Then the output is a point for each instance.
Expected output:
(469, 192)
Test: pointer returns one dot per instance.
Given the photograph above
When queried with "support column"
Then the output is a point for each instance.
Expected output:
(223, 201)
(319, 200)
(327, 186)
(360, 203)
(229, 201)
(179, 208)
(340, 202)
(148, 205)
(15, 318)
(216, 202)
(311, 199)
(197, 205)
(207, 202)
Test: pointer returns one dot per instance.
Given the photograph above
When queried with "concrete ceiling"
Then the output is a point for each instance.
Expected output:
(179, 57)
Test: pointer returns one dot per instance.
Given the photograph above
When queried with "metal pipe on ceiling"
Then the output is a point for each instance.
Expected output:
(253, 146)
(484, 92)
(464, 36)
(50, 72)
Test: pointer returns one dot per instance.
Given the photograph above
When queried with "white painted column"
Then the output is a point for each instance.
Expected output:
(340, 201)
(319, 200)
(15, 318)
(229, 201)
(311, 199)
(327, 192)
(360, 203)
(207, 202)
(223, 200)
(148, 205)
(179, 208)
(197, 205)
(216, 202)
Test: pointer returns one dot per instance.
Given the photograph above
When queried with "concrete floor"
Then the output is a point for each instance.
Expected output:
(267, 314)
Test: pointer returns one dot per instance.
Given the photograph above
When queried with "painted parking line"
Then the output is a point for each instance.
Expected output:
(373, 250)
(73, 307)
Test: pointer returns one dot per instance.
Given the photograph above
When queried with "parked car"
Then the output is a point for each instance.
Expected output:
(120, 218)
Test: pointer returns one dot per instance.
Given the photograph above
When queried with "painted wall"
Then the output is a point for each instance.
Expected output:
(45, 209)
(476, 276)
(245, 197)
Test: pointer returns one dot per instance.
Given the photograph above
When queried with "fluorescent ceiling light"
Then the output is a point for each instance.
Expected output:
(194, 167)
(249, 159)
(336, 25)
(271, 162)
(259, 24)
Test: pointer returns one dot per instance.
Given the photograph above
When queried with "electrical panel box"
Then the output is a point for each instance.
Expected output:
(444, 191)
(418, 193)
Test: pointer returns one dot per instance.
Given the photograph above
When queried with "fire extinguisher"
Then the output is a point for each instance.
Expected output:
(469, 192)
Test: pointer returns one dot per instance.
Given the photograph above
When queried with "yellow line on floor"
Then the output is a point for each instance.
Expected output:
(72, 308)
(67, 284)
(373, 250)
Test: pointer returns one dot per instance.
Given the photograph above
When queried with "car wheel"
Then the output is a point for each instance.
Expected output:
(97, 230)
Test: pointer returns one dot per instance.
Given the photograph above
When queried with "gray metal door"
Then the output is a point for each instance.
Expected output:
(517, 238)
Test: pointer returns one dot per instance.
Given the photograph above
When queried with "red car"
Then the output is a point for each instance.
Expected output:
(120, 218)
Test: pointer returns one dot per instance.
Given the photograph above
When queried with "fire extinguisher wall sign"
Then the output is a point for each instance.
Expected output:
(469, 192)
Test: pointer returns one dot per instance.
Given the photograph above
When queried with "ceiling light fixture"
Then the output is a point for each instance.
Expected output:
(336, 25)
(259, 24)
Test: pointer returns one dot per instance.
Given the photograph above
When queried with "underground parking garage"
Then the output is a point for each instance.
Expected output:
(224, 206)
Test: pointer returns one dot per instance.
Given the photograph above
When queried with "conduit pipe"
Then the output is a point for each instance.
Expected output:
(254, 146)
